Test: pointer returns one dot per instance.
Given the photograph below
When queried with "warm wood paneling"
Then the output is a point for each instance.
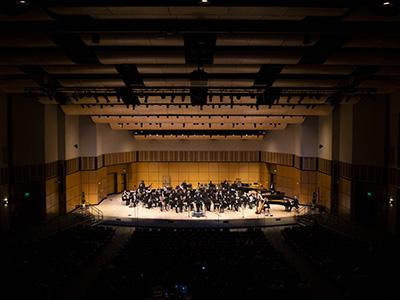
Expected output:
(159, 173)
(288, 180)
(325, 166)
(72, 165)
(88, 163)
(52, 204)
(51, 170)
(119, 158)
(324, 185)
(73, 190)
(309, 163)
(198, 156)
(284, 159)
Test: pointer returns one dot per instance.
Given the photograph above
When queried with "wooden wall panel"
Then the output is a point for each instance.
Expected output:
(264, 174)
(288, 180)
(90, 186)
(297, 162)
(325, 166)
(198, 156)
(73, 190)
(88, 163)
(72, 165)
(284, 159)
(119, 158)
(308, 185)
(102, 183)
(195, 172)
(51, 170)
(309, 163)
(52, 204)
(324, 185)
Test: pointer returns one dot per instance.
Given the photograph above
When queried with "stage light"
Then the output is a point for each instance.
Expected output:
(386, 3)
(22, 2)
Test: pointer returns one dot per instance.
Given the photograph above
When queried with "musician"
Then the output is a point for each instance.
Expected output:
(205, 198)
(295, 203)
(272, 187)
(263, 202)
(142, 186)
(252, 200)
(198, 201)
(125, 197)
(207, 202)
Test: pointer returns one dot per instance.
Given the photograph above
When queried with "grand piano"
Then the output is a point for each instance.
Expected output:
(274, 197)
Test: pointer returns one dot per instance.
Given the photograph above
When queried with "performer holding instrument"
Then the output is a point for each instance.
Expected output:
(211, 197)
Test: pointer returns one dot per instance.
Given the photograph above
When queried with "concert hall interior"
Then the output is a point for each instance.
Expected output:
(199, 149)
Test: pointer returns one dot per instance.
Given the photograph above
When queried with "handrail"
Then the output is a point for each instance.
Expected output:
(96, 212)
(90, 211)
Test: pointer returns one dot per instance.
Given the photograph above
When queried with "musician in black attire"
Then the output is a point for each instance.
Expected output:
(184, 198)
(142, 186)
(197, 201)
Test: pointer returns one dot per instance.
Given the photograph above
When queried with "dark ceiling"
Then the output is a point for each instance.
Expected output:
(135, 59)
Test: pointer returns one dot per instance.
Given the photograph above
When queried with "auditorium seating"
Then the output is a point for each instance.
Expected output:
(38, 270)
(358, 268)
(198, 264)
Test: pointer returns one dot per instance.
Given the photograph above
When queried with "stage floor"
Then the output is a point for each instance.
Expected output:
(114, 209)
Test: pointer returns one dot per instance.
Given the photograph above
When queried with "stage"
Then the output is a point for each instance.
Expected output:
(115, 212)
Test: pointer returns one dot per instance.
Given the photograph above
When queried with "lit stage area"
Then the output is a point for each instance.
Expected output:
(116, 212)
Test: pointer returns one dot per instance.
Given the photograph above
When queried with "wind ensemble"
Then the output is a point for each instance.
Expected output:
(210, 197)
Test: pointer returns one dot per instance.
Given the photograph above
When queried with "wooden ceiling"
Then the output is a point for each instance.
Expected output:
(310, 55)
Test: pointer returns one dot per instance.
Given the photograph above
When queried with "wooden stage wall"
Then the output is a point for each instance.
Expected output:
(157, 173)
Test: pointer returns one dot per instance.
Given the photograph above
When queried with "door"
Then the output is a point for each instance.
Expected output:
(123, 176)
(111, 183)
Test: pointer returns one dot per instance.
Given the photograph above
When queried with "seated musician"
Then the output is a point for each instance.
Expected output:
(211, 185)
(265, 203)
